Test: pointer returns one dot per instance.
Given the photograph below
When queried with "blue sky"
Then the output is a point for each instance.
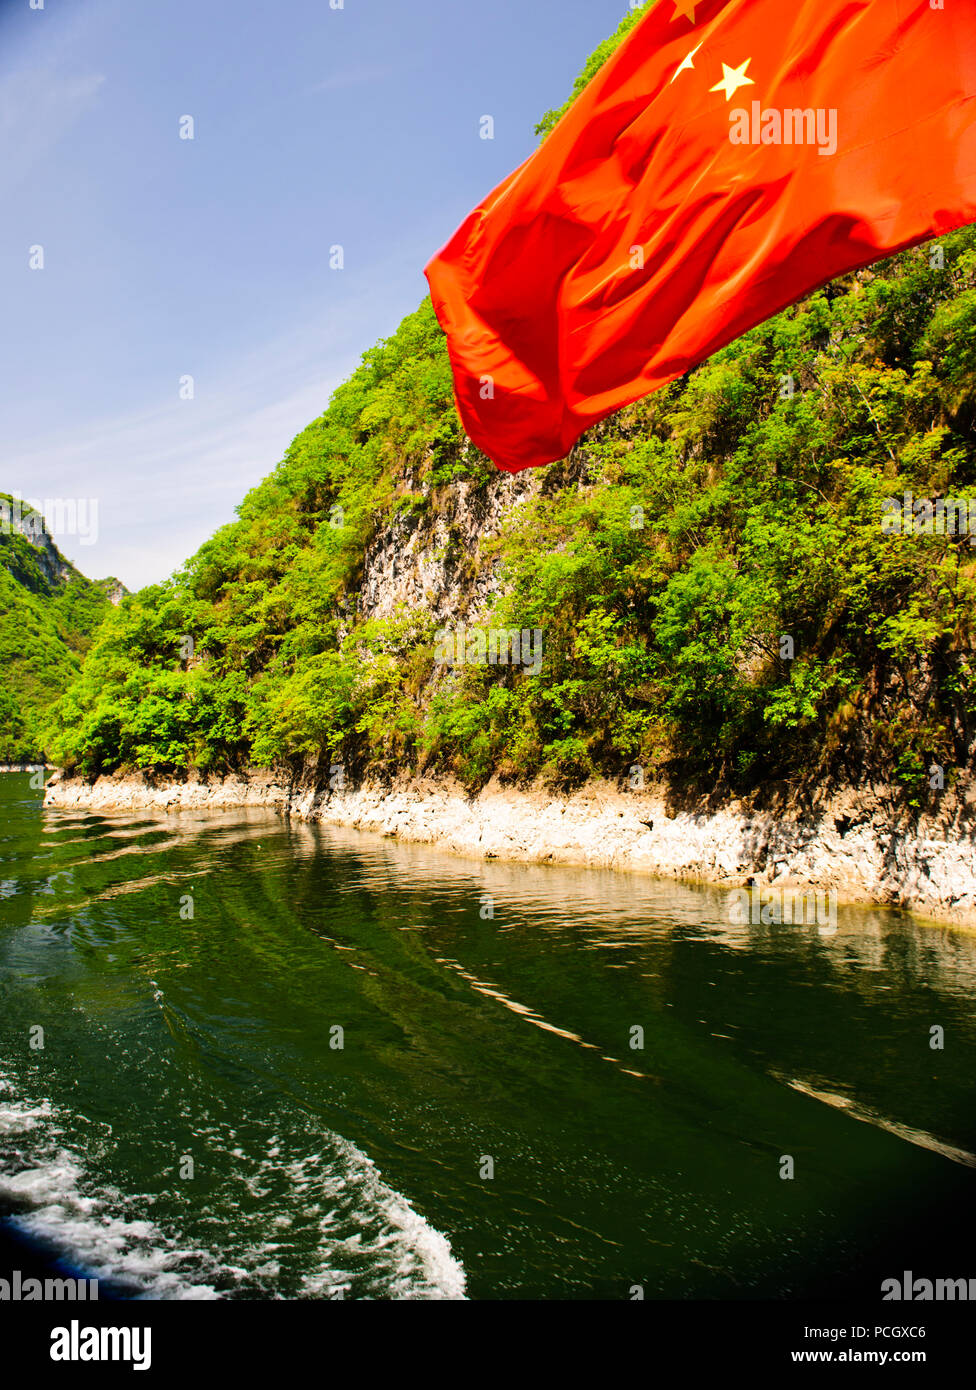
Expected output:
(166, 257)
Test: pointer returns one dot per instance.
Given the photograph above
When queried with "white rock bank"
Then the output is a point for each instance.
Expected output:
(855, 843)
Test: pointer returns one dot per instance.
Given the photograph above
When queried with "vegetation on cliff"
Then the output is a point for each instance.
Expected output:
(715, 589)
(48, 615)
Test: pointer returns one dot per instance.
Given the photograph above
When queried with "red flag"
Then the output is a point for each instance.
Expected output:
(731, 156)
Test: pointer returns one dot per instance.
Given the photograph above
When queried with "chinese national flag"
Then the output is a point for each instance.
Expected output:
(731, 156)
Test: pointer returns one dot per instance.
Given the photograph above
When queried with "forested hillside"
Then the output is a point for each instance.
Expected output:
(717, 597)
(48, 614)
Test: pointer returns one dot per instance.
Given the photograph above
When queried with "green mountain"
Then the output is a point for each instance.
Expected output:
(48, 615)
(716, 594)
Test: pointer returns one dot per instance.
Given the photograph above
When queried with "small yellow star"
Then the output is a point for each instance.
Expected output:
(686, 63)
(686, 8)
(732, 79)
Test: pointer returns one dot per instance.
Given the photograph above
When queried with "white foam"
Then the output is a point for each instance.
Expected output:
(370, 1237)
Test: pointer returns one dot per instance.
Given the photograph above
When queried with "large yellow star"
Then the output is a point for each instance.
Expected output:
(733, 79)
(686, 63)
(686, 8)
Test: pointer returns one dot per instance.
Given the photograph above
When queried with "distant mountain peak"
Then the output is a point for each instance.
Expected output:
(49, 613)
(42, 568)
(20, 522)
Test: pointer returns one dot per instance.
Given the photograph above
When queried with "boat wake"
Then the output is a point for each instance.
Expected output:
(310, 1217)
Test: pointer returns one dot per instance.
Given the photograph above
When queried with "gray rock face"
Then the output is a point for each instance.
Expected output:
(424, 560)
(433, 558)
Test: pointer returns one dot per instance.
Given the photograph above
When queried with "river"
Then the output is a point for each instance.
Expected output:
(242, 1057)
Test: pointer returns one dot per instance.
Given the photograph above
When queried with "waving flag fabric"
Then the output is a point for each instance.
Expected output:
(731, 156)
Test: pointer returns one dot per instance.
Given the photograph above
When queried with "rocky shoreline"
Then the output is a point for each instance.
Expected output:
(854, 842)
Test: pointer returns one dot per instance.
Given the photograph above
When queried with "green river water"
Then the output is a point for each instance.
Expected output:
(469, 1045)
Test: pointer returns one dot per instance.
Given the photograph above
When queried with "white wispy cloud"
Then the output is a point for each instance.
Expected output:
(354, 77)
(38, 106)
(166, 475)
